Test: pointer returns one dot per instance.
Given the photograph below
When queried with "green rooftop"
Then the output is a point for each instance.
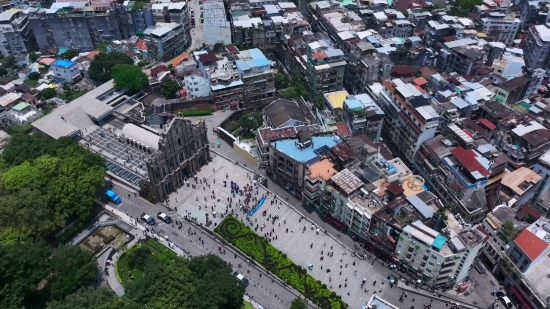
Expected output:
(21, 106)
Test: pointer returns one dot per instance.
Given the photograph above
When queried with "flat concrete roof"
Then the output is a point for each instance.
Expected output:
(69, 119)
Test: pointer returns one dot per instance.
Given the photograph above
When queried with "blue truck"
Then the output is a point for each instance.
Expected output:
(113, 197)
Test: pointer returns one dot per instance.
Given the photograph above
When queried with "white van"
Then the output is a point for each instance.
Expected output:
(506, 301)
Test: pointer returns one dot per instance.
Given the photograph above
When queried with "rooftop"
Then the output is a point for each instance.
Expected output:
(532, 245)
(62, 63)
(281, 111)
(521, 180)
(290, 148)
(324, 169)
(336, 99)
(347, 181)
(71, 118)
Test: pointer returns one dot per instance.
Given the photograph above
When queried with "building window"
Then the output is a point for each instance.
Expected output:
(179, 141)
(431, 263)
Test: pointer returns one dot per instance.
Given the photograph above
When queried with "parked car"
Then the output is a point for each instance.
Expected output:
(506, 301)
(165, 218)
(113, 197)
(146, 218)
(241, 278)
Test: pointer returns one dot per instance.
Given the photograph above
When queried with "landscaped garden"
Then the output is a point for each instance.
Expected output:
(129, 266)
(258, 248)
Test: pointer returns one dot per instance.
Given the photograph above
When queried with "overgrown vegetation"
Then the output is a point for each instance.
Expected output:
(204, 112)
(130, 78)
(463, 7)
(293, 86)
(69, 54)
(102, 65)
(44, 183)
(259, 249)
(169, 88)
(32, 274)
(155, 277)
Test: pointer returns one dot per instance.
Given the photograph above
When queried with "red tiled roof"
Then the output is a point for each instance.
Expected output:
(342, 151)
(402, 70)
(319, 55)
(420, 81)
(488, 124)
(158, 69)
(343, 128)
(467, 158)
(141, 45)
(91, 55)
(528, 210)
(395, 188)
(269, 134)
(530, 244)
(207, 58)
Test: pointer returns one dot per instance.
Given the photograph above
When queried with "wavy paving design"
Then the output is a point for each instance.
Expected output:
(258, 248)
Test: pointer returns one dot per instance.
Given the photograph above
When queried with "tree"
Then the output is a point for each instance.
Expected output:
(48, 93)
(22, 267)
(281, 81)
(89, 298)
(508, 230)
(250, 121)
(319, 102)
(33, 76)
(72, 268)
(139, 258)
(9, 62)
(69, 54)
(463, 7)
(102, 47)
(33, 57)
(102, 65)
(169, 88)
(3, 71)
(297, 304)
(129, 77)
(215, 286)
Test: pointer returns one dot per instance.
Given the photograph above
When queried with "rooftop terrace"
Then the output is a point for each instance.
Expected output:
(290, 148)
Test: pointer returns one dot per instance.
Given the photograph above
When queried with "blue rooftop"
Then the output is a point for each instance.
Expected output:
(439, 241)
(256, 53)
(62, 63)
(353, 104)
(289, 148)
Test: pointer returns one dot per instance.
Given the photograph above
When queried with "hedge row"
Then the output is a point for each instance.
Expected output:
(258, 248)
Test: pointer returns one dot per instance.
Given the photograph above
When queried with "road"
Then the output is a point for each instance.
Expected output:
(197, 38)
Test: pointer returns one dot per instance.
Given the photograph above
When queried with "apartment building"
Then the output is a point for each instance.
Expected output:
(315, 181)
(165, 40)
(542, 168)
(456, 174)
(522, 138)
(76, 26)
(363, 115)
(409, 118)
(391, 23)
(497, 243)
(349, 204)
(16, 35)
(338, 23)
(256, 75)
(526, 266)
(461, 56)
(289, 158)
(536, 47)
(324, 67)
(267, 31)
(500, 27)
(225, 81)
(216, 26)
(66, 71)
(441, 259)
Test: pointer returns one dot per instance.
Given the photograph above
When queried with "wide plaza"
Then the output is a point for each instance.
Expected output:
(336, 265)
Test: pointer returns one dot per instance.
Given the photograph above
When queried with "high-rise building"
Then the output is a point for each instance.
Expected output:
(16, 35)
(536, 47)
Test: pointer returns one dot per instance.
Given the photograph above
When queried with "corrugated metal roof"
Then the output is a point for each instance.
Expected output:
(467, 158)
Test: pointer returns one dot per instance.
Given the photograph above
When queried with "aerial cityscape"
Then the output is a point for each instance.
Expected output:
(240, 154)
